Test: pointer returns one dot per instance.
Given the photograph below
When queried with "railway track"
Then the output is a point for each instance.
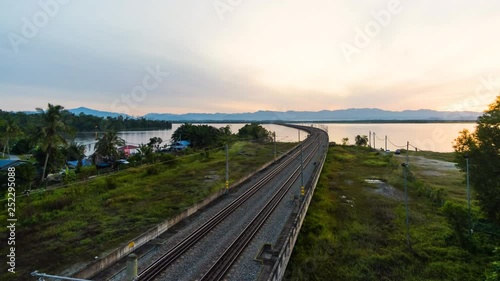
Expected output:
(224, 263)
(152, 271)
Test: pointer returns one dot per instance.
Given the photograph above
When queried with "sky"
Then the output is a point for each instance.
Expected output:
(230, 56)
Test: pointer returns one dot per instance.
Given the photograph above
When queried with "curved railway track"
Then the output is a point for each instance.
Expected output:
(159, 266)
(224, 263)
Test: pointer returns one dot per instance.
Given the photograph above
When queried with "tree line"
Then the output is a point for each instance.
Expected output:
(47, 136)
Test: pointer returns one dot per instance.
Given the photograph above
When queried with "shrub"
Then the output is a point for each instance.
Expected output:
(457, 217)
(110, 183)
(152, 170)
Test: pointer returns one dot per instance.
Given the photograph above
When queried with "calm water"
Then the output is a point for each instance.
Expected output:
(433, 136)
(430, 136)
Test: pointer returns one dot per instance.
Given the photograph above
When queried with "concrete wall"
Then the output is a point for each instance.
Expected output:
(127, 248)
(286, 250)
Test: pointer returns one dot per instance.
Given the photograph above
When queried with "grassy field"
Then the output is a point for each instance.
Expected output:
(59, 228)
(355, 230)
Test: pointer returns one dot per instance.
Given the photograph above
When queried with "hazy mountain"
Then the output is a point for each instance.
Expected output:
(352, 114)
(98, 113)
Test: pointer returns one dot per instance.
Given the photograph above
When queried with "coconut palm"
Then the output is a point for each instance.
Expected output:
(51, 133)
(9, 132)
(108, 145)
(146, 151)
(76, 151)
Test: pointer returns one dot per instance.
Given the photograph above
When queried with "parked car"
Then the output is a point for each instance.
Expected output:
(397, 151)
(122, 161)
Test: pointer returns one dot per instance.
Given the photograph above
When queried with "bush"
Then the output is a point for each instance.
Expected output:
(152, 170)
(87, 171)
(110, 183)
(167, 159)
(457, 216)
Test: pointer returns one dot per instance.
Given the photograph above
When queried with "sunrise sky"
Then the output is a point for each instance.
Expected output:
(231, 56)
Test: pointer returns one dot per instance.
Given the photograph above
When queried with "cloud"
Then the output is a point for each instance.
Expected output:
(276, 56)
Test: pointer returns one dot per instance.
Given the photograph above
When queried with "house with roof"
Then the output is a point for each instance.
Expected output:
(180, 145)
(129, 149)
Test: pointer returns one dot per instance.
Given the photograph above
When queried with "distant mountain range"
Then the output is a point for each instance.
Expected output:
(98, 113)
(353, 114)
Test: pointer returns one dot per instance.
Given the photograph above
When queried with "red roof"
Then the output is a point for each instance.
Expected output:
(129, 147)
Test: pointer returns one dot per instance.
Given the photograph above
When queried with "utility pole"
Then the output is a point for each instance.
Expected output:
(227, 167)
(274, 134)
(405, 167)
(370, 140)
(385, 142)
(374, 145)
(301, 169)
(468, 192)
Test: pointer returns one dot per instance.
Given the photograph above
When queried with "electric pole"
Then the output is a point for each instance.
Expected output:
(227, 167)
(370, 139)
(405, 167)
(274, 134)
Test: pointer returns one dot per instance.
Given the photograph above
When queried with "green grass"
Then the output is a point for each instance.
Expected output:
(59, 228)
(443, 156)
(353, 233)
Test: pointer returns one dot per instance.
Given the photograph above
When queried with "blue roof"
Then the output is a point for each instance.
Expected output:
(85, 162)
(5, 164)
(183, 143)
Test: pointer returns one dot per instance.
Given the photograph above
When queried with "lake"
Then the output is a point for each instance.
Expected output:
(425, 136)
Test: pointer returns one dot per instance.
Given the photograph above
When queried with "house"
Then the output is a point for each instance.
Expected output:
(129, 149)
(73, 164)
(180, 145)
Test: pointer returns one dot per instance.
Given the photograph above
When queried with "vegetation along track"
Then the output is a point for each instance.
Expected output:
(168, 258)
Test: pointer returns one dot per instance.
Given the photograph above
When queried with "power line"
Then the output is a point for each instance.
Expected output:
(399, 146)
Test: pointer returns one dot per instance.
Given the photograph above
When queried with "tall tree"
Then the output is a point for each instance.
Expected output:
(482, 147)
(10, 130)
(146, 151)
(155, 143)
(200, 136)
(108, 145)
(52, 131)
(76, 151)
(255, 132)
(361, 140)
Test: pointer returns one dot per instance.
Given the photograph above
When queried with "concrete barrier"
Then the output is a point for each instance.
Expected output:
(99, 265)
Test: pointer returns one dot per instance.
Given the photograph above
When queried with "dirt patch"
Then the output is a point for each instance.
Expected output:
(385, 189)
(211, 177)
(430, 164)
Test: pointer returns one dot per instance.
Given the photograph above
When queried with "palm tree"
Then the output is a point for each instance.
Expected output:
(108, 144)
(146, 151)
(10, 131)
(52, 130)
(76, 151)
